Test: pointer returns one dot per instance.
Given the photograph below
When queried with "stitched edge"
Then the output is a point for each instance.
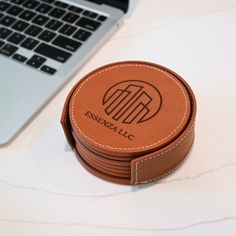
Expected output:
(161, 154)
(127, 148)
(150, 180)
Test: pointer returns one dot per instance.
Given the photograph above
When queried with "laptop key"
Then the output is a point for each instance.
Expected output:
(38, 59)
(8, 49)
(33, 63)
(19, 2)
(102, 18)
(90, 14)
(70, 17)
(4, 6)
(44, 8)
(27, 15)
(15, 10)
(57, 13)
(48, 69)
(19, 58)
(48, 1)
(31, 4)
(75, 9)
(33, 30)
(88, 24)
(82, 35)
(61, 4)
(52, 52)
(4, 33)
(67, 29)
(66, 43)
(20, 25)
(1, 43)
(40, 20)
(47, 35)
(15, 38)
(30, 43)
(53, 24)
(7, 20)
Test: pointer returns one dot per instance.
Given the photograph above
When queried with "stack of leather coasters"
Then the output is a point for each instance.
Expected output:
(130, 122)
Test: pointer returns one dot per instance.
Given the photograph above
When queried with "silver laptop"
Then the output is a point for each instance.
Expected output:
(42, 44)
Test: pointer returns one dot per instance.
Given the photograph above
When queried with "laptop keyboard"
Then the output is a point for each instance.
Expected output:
(44, 34)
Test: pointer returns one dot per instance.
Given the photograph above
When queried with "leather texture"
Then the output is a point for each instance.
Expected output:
(130, 122)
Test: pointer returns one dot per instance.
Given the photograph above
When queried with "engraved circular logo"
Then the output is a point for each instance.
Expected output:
(132, 101)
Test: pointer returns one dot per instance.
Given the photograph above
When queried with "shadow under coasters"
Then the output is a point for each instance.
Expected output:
(130, 122)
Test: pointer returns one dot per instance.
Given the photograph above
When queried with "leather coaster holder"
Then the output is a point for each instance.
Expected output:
(130, 122)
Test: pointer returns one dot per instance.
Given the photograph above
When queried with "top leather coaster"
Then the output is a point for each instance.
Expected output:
(129, 109)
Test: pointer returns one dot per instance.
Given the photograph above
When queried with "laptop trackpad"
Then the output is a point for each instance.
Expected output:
(22, 91)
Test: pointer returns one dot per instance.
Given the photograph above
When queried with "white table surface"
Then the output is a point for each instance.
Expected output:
(45, 191)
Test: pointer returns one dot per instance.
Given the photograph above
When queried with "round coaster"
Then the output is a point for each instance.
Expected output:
(130, 122)
(125, 109)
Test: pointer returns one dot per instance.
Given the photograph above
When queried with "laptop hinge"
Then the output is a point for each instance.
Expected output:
(121, 4)
(96, 1)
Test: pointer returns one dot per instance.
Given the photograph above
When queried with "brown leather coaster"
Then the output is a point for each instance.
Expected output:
(130, 122)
